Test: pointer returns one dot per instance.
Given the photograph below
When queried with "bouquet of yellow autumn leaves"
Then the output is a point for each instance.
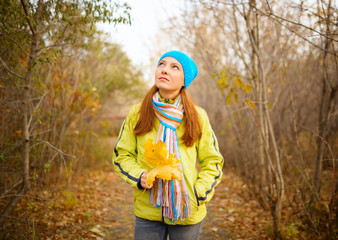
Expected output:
(163, 166)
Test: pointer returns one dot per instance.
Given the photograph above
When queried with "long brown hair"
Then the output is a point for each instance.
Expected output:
(147, 117)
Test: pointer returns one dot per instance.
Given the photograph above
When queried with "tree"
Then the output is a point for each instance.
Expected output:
(323, 30)
(270, 180)
(38, 27)
(268, 136)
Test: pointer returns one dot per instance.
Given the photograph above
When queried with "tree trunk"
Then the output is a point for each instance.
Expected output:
(26, 108)
(266, 132)
(252, 26)
(327, 105)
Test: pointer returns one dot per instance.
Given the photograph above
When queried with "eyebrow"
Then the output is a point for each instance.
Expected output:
(171, 63)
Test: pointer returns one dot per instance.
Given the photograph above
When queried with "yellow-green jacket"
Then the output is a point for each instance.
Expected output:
(129, 164)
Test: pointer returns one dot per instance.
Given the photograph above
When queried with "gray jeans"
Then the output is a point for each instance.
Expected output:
(152, 230)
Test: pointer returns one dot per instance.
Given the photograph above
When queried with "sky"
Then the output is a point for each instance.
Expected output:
(137, 39)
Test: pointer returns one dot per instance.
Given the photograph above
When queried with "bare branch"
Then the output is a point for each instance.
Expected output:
(323, 139)
(38, 133)
(307, 40)
(16, 42)
(28, 15)
(276, 19)
(30, 119)
(322, 18)
(9, 70)
(63, 32)
(52, 46)
(10, 189)
(238, 41)
(308, 215)
(23, 195)
(295, 23)
(52, 146)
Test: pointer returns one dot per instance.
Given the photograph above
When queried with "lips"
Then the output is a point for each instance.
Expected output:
(164, 79)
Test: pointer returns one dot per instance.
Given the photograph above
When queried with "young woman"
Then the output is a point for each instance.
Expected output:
(170, 207)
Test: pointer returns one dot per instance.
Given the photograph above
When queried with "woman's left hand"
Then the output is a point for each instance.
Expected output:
(143, 180)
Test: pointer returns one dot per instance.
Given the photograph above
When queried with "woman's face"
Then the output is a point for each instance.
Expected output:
(169, 77)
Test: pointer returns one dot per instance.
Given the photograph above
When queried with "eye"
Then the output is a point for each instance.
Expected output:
(176, 67)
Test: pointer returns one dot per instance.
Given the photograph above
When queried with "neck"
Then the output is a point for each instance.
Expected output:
(169, 94)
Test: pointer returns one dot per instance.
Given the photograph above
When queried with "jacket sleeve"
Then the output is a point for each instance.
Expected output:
(211, 162)
(125, 152)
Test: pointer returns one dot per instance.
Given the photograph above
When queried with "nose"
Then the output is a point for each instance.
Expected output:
(164, 70)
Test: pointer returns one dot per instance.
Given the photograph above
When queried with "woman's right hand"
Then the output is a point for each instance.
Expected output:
(143, 180)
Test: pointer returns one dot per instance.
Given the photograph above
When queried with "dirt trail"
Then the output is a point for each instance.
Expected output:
(99, 205)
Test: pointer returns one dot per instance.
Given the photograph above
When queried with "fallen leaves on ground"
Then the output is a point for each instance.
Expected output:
(232, 215)
(99, 205)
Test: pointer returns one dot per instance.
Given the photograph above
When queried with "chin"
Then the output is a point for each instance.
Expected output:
(163, 86)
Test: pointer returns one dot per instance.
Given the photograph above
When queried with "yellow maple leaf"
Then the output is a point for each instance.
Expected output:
(163, 167)
(156, 154)
(165, 172)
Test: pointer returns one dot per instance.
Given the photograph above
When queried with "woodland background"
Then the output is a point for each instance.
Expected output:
(268, 78)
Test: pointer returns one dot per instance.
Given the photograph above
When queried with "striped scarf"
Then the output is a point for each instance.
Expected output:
(171, 195)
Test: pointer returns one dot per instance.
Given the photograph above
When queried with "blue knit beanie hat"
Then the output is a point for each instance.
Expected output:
(189, 67)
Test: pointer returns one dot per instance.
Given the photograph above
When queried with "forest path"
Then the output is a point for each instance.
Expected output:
(99, 205)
